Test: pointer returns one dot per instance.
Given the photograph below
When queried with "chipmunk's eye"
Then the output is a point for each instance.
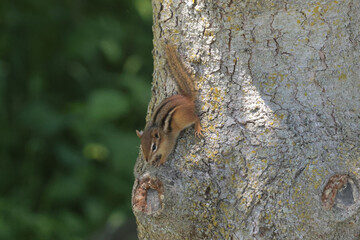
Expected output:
(156, 135)
(153, 147)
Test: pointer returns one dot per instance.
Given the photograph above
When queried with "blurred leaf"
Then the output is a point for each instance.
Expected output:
(111, 49)
(95, 34)
(116, 219)
(74, 84)
(144, 9)
(95, 210)
(78, 71)
(69, 155)
(132, 64)
(36, 86)
(123, 147)
(107, 104)
(44, 226)
(39, 118)
(139, 89)
(73, 222)
(5, 228)
(96, 151)
(65, 189)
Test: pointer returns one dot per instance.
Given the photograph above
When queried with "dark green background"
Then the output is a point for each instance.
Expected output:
(74, 85)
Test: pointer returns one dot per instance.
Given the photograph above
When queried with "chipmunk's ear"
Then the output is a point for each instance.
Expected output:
(139, 134)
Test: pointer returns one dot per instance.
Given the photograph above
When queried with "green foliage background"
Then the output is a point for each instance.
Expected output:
(74, 85)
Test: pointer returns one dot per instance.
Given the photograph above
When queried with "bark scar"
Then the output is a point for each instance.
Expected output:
(148, 195)
(334, 184)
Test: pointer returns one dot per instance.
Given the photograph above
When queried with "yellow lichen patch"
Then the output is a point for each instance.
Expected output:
(281, 116)
(342, 77)
(215, 105)
(208, 33)
(202, 79)
(316, 10)
(216, 94)
(273, 77)
(336, 22)
(317, 185)
(212, 128)
(210, 118)
(212, 154)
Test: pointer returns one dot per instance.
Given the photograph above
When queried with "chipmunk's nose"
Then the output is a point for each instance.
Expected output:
(157, 159)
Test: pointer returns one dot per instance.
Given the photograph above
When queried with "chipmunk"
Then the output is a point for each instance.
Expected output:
(172, 115)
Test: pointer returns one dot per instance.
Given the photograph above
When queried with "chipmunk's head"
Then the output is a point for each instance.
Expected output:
(154, 145)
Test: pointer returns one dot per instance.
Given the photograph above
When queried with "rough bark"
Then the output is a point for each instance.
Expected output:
(279, 97)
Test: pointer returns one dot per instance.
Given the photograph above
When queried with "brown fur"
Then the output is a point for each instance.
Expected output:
(172, 115)
(181, 76)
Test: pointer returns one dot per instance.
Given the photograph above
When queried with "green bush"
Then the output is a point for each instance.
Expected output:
(74, 85)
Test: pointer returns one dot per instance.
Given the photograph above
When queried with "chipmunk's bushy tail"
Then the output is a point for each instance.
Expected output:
(183, 79)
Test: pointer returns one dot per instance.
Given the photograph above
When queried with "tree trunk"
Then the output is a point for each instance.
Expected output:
(279, 98)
